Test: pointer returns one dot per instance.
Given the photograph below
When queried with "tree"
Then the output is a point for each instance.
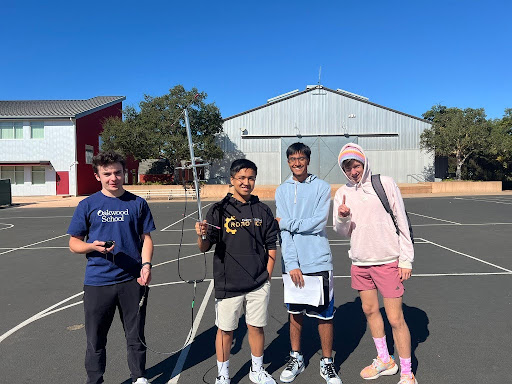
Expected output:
(158, 129)
(456, 132)
(500, 148)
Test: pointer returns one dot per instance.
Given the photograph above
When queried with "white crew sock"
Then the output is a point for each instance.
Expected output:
(223, 368)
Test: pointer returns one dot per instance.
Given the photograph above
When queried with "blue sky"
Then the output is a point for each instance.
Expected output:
(405, 55)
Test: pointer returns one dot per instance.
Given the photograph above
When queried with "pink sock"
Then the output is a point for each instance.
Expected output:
(382, 348)
(405, 366)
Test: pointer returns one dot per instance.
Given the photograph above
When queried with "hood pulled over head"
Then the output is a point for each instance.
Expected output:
(352, 151)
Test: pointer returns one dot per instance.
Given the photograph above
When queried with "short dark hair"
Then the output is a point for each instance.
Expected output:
(107, 158)
(239, 164)
(349, 162)
(298, 147)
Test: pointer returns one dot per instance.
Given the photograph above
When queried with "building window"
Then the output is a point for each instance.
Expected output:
(38, 175)
(89, 153)
(11, 130)
(37, 130)
(15, 173)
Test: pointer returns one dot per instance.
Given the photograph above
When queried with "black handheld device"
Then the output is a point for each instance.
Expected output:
(109, 243)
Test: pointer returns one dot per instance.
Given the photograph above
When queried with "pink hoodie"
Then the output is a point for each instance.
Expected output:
(373, 238)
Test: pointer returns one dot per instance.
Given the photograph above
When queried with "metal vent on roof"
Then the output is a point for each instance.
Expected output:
(282, 96)
(352, 94)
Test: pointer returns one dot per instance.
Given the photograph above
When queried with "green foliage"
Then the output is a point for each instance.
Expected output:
(456, 132)
(477, 148)
(158, 129)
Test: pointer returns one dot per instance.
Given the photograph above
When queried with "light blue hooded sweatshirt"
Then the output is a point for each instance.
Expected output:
(303, 209)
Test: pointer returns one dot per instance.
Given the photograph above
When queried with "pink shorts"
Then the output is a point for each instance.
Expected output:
(385, 278)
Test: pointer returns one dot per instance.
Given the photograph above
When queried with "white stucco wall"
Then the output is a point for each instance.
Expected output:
(58, 147)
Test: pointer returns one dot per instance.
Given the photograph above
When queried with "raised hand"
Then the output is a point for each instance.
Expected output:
(343, 210)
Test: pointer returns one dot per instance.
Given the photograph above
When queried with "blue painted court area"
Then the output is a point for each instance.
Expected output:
(458, 304)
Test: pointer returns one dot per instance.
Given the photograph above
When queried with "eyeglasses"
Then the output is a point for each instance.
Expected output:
(243, 179)
(294, 159)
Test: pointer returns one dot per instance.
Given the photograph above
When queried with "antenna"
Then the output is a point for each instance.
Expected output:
(319, 85)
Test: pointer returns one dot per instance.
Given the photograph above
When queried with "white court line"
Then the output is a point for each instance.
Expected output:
(458, 224)
(434, 218)
(460, 274)
(171, 283)
(60, 309)
(177, 244)
(487, 198)
(482, 200)
(11, 225)
(429, 275)
(181, 258)
(50, 310)
(176, 372)
(469, 256)
(29, 245)
(183, 218)
(36, 317)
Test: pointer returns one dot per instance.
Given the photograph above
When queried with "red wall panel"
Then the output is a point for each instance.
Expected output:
(62, 182)
(88, 130)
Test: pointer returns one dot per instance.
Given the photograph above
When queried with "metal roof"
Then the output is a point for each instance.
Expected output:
(37, 162)
(45, 109)
(318, 87)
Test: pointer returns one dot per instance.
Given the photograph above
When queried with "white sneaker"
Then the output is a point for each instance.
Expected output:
(222, 380)
(141, 380)
(261, 377)
(328, 372)
(294, 366)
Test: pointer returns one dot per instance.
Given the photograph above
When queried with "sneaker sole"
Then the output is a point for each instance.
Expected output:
(255, 381)
(301, 369)
(326, 378)
(387, 372)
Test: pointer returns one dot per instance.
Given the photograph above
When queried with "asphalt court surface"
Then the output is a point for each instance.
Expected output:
(458, 304)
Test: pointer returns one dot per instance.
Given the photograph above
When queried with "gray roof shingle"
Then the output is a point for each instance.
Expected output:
(16, 109)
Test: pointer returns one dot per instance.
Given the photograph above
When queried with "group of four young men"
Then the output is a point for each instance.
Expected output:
(244, 232)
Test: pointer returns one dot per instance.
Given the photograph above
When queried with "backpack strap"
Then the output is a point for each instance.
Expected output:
(381, 193)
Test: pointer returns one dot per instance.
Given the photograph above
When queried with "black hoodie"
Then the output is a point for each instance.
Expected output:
(248, 231)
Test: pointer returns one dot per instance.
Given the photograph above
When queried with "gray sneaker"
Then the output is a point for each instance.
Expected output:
(328, 372)
(141, 380)
(294, 366)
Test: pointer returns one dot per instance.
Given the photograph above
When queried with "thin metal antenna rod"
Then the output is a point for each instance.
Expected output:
(193, 165)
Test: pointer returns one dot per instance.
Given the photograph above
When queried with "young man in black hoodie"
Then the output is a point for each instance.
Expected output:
(244, 232)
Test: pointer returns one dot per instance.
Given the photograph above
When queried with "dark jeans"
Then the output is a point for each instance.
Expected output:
(100, 305)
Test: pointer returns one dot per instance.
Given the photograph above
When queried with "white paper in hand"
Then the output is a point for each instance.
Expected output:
(311, 294)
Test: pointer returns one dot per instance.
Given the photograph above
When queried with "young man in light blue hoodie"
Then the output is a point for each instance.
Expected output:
(303, 203)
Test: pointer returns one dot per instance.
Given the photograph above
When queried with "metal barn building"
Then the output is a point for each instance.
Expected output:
(325, 119)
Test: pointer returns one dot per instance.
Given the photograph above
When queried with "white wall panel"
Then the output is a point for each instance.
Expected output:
(58, 147)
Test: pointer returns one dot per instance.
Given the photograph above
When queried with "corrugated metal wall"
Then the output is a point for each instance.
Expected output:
(324, 112)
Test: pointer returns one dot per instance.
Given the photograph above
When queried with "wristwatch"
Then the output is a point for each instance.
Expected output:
(147, 263)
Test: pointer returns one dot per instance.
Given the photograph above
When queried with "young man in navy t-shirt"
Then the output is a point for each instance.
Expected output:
(112, 227)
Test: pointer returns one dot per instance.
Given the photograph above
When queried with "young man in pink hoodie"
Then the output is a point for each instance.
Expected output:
(381, 258)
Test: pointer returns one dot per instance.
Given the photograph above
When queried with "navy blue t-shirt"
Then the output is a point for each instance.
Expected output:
(123, 219)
